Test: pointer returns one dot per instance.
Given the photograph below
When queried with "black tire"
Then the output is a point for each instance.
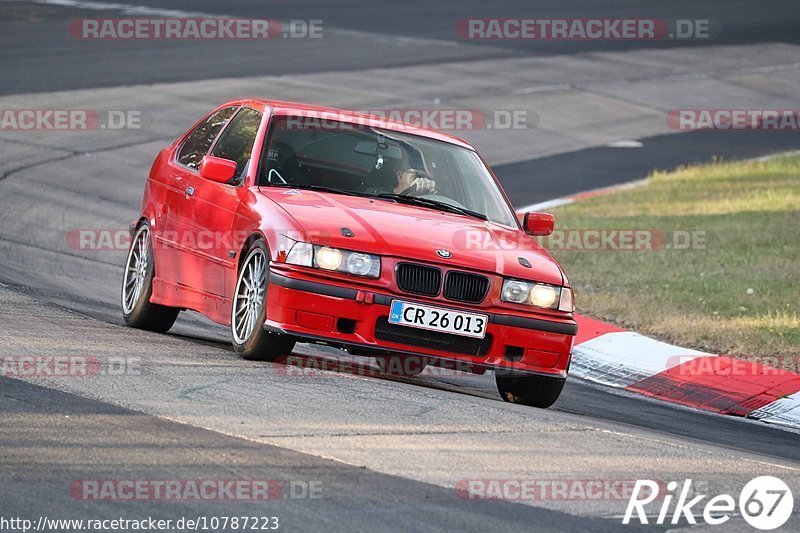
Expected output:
(257, 344)
(535, 391)
(137, 311)
(408, 366)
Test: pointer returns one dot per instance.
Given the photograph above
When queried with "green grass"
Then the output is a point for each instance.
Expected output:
(738, 294)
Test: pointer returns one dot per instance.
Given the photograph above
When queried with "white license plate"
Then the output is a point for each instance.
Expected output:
(437, 319)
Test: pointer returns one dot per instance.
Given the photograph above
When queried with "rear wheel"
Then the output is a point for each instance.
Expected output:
(536, 391)
(249, 311)
(137, 287)
(393, 365)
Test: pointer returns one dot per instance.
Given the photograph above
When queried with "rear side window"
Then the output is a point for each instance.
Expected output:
(236, 141)
(196, 145)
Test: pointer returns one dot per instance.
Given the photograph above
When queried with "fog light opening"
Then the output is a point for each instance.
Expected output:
(346, 325)
(514, 353)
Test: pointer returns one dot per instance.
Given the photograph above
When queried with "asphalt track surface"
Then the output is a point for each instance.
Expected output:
(355, 499)
(43, 58)
(603, 166)
(149, 426)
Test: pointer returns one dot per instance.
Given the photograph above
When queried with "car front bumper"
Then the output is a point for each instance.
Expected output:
(339, 314)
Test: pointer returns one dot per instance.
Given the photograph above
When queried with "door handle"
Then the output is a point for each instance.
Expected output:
(189, 191)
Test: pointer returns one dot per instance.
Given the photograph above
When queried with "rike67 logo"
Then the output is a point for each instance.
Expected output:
(765, 503)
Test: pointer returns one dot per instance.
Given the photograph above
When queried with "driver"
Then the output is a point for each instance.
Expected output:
(414, 182)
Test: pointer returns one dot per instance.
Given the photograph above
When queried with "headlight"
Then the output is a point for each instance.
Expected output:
(537, 294)
(543, 295)
(515, 291)
(359, 264)
(327, 258)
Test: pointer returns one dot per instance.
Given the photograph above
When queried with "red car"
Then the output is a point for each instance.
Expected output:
(291, 222)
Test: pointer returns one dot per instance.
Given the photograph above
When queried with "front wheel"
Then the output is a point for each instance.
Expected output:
(249, 311)
(535, 391)
(137, 287)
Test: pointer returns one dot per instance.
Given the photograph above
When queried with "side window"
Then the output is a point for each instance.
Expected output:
(196, 145)
(236, 141)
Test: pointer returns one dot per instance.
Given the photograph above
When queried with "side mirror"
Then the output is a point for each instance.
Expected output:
(538, 224)
(217, 169)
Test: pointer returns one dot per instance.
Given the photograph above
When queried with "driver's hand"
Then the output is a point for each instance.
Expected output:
(410, 182)
(424, 185)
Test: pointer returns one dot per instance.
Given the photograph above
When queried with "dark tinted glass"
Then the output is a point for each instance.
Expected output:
(196, 145)
(236, 142)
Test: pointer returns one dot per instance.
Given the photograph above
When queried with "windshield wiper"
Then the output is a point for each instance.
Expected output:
(435, 204)
(312, 187)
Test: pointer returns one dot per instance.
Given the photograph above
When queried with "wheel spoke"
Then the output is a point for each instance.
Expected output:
(252, 322)
(136, 271)
(249, 299)
(136, 290)
(239, 327)
(259, 269)
(245, 325)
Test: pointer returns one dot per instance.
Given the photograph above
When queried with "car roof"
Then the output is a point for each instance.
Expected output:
(284, 108)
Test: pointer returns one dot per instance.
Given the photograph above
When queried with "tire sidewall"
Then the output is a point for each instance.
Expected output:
(255, 336)
(534, 390)
(147, 287)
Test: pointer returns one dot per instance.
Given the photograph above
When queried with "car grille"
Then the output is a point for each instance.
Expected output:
(432, 340)
(419, 279)
(465, 287)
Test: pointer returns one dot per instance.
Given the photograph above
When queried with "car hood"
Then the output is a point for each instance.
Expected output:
(410, 232)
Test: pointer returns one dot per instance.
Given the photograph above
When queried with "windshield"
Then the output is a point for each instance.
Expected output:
(358, 159)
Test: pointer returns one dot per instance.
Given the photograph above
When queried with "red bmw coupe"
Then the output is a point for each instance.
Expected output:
(291, 222)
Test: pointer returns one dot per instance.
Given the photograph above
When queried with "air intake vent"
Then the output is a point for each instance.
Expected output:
(465, 287)
(419, 279)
